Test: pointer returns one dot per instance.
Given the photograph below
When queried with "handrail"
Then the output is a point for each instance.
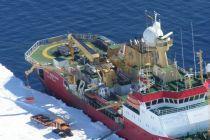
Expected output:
(54, 39)
(174, 110)
(39, 43)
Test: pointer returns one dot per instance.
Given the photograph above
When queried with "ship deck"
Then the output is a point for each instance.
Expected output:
(42, 54)
(174, 86)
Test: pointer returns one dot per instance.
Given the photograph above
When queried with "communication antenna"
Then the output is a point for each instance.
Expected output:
(156, 14)
(146, 15)
(182, 49)
(193, 44)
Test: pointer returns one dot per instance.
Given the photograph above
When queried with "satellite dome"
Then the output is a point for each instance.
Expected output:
(152, 33)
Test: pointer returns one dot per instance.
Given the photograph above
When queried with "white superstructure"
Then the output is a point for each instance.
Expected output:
(169, 119)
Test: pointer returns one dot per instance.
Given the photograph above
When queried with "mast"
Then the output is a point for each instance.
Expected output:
(175, 63)
(200, 54)
(183, 66)
(193, 44)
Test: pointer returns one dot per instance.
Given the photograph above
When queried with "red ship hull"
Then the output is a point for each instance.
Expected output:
(53, 82)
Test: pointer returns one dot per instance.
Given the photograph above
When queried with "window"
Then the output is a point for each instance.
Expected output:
(160, 101)
(196, 97)
(132, 108)
(186, 99)
(181, 101)
(154, 102)
(191, 98)
(175, 101)
(148, 103)
(171, 100)
(166, 100)
(201, 95)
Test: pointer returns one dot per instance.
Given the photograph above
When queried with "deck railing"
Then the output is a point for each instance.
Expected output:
(161, 112)
(40, 43)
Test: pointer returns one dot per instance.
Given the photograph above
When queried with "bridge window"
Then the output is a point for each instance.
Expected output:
(171, 100)
(191, 98)
(132, 108)
(154, 102)
(166, 100)
(181, 101)
(196, 97)
(201, 95)
(160, 101)
(148, 104)
(175, 101)
(186, 99)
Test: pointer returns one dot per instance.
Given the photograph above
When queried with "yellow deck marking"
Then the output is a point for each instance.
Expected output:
(45, 51)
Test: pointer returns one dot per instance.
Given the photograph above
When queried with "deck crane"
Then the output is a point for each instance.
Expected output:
(71, 47)
(116, 104)
(28, 72)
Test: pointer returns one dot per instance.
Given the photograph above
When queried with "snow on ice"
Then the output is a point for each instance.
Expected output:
(15, 114)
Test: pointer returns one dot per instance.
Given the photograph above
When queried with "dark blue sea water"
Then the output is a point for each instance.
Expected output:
(22, 22)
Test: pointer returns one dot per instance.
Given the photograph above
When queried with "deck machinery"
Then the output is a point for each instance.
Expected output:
(131, 87)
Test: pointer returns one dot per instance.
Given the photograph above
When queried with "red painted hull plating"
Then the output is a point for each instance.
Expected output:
(54, 83)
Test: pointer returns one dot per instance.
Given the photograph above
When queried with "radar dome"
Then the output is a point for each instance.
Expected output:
(208, 68)
(152, 33)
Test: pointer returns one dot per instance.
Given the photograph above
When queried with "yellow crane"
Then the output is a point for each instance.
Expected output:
(116, 104)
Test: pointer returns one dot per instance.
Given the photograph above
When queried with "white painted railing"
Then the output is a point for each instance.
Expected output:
(160, 112)
(40, 43)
